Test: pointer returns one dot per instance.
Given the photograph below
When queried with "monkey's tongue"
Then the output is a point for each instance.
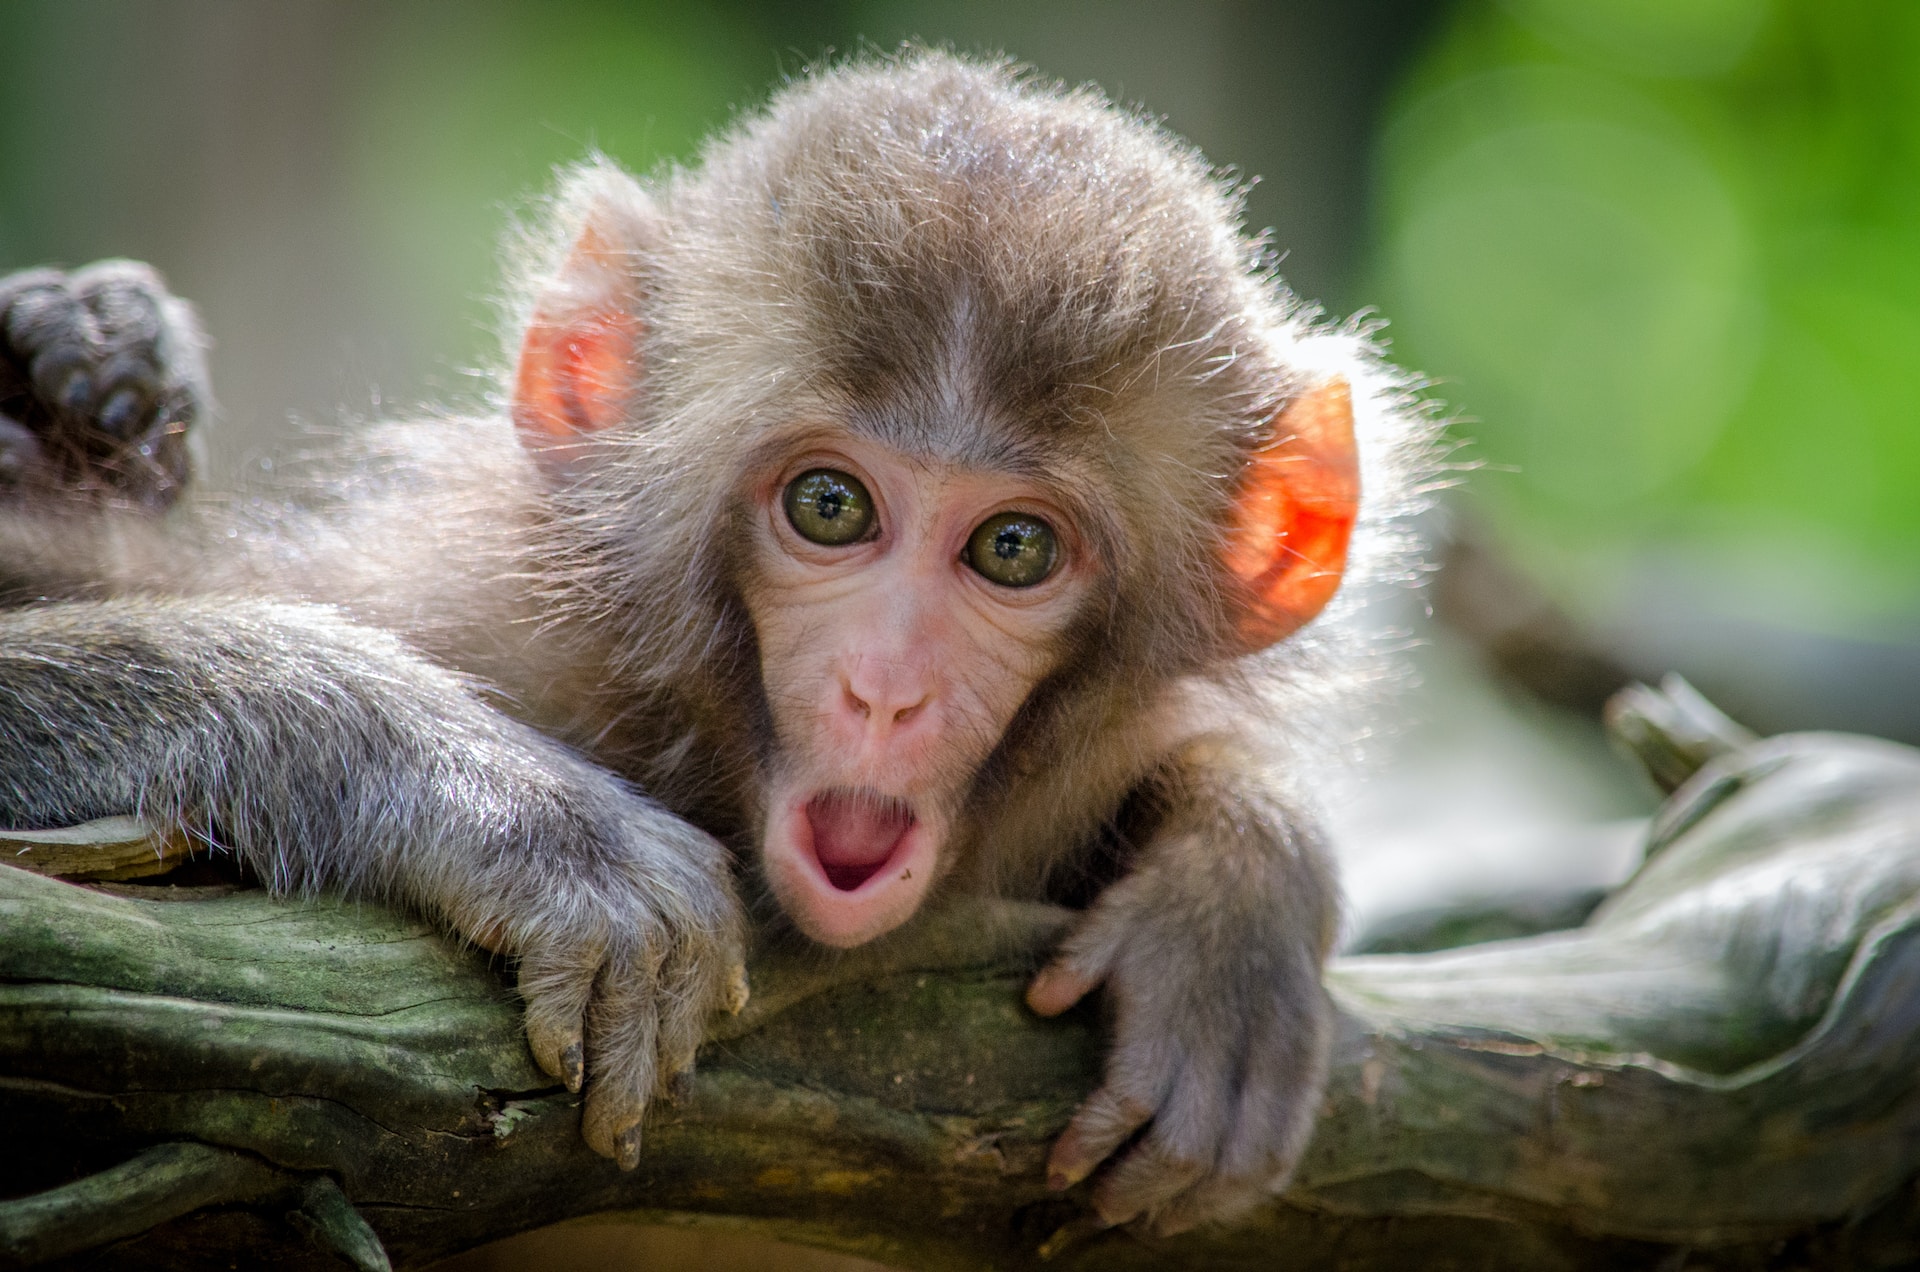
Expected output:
(854, 835)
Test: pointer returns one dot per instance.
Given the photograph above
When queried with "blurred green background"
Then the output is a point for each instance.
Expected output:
(1661, 258)
(1670, 252)
(1664, 255)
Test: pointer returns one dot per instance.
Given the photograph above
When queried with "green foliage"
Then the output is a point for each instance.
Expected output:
(1664, 258)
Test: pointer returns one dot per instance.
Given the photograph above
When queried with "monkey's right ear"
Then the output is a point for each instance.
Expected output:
(580, 359)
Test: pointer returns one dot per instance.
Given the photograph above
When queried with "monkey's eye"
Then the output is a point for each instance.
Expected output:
(1013, 549)
(829, 507)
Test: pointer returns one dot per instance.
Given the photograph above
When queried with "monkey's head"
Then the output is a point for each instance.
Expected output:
(961, 405)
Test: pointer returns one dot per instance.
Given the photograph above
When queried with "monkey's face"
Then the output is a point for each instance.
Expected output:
(905, 609)
(906, 598)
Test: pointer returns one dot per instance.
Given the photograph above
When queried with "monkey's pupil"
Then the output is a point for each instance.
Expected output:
(1008, 543)
(827, 505)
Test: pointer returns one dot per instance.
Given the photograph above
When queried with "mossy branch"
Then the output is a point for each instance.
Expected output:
(1720, 1061)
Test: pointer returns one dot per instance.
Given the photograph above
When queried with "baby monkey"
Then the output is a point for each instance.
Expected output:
(924, 495)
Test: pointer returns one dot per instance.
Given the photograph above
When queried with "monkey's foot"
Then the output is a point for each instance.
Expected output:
(102, 375)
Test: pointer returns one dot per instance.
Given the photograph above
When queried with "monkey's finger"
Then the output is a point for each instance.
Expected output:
(1088, 955)
(123, 299)
(1099, 1126)
(1145, 1180)
(58, 338)
(623, 1040)
(611, 1124)
(690, 988)
(1059, 986)
(13, 286)
(557, 989)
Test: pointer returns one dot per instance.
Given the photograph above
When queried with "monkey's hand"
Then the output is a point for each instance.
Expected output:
(1210, 953)
(630, 939)
(102, 374)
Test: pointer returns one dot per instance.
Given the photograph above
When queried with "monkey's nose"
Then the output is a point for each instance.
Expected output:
(875, 706)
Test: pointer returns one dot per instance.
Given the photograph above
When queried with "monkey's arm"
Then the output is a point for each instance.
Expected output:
(329, 755)
(1211, 951)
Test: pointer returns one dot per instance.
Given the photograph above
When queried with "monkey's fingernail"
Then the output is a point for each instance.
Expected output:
(738, 991)
(573, 1066)
(626, 1148)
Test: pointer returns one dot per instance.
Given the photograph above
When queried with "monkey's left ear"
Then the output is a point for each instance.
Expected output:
(1293, 516)
(580, 360)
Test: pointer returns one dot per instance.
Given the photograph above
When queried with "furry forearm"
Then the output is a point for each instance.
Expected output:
(325, 755)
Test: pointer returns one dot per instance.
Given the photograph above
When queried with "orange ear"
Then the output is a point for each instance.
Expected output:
(1287, 541)
(580, 360)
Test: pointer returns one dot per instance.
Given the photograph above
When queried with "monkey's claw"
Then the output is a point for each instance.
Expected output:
(102, 377)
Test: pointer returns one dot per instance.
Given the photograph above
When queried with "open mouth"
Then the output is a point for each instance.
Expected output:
(856, 833)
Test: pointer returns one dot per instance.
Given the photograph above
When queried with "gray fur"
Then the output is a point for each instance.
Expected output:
(946, 256)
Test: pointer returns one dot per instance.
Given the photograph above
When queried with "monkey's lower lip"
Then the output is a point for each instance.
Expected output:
(855, 834)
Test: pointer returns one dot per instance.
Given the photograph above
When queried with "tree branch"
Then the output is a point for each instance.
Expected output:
(1719, 1061)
